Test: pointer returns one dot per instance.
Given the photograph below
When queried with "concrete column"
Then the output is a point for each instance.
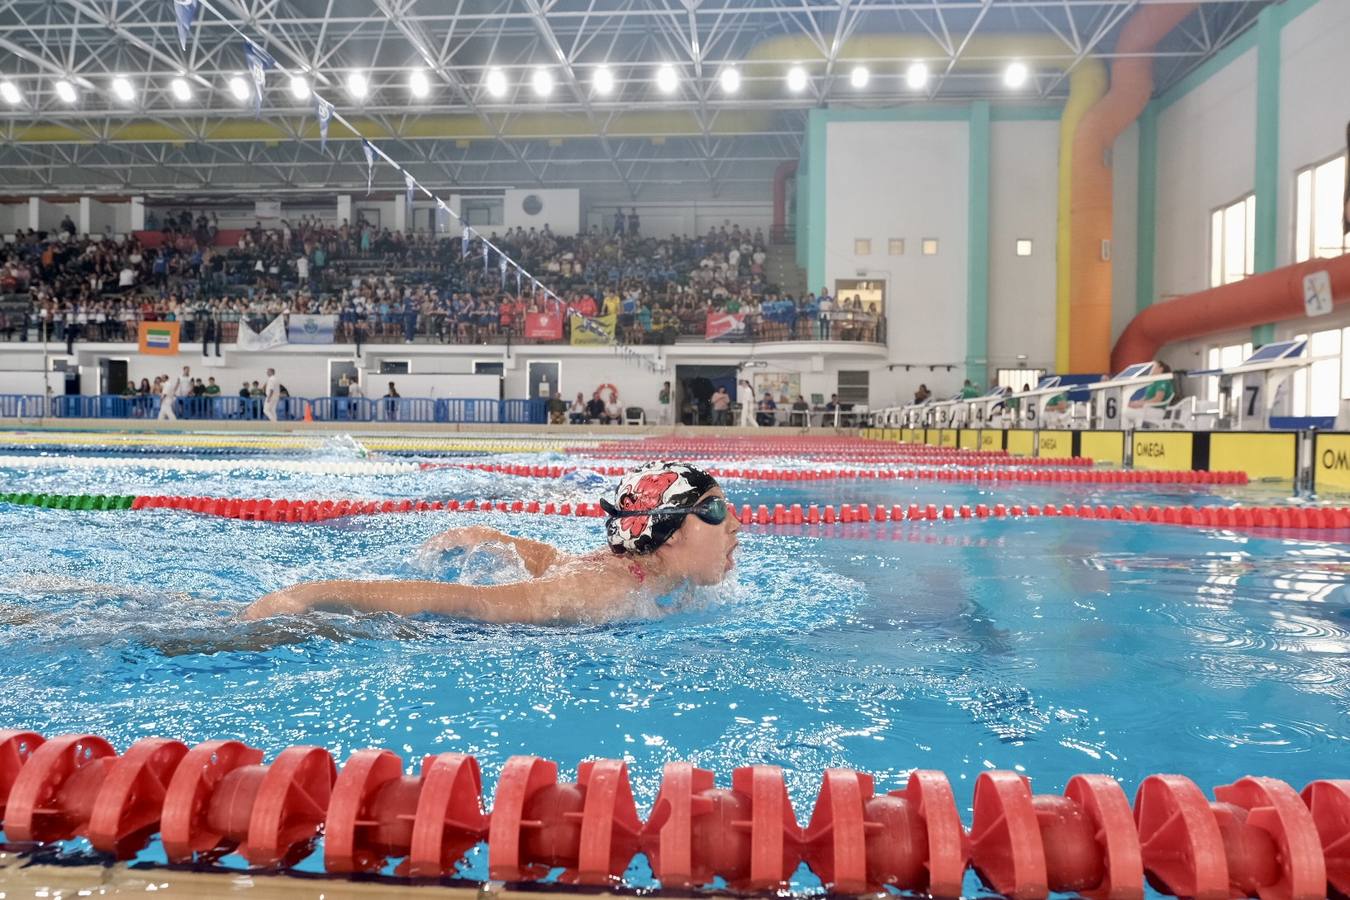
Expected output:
(86, 216)
(401, 213)
(137, 213)
(344, 208)
(34, 212)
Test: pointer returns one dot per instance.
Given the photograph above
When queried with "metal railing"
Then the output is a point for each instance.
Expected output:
(444, 410)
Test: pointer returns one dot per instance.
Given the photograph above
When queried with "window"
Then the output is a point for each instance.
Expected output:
(930, 246)
(862, 246)
(395, 367)
(1024, 246)
(1016, 379)
(896, 247)
(1318, 388)
(1318, 230)
(1223, 358)
(1232, 242)
(853, 387)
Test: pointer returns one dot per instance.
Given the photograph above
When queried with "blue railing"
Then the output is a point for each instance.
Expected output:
(324, 409)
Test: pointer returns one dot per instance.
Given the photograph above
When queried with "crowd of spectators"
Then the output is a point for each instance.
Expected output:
(387, 286)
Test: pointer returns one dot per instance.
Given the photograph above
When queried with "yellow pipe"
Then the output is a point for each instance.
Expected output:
(1087, 85)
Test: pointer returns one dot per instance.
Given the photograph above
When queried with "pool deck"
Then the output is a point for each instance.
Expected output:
(235, 426)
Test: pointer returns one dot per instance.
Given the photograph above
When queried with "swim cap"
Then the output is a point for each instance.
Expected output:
(654, 486)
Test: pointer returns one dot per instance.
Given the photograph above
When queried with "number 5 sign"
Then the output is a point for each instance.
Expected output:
(1317, 293)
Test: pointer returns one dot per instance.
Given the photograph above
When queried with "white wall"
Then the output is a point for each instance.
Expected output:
(687, 217)
(1206, 159)
(1314, 101)
(561, 210)
(1124, 229)
(13, 217)
(1023, 203)
(904, 180)
(51, 214)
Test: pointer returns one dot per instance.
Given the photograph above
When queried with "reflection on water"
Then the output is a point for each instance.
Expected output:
(1051, 646)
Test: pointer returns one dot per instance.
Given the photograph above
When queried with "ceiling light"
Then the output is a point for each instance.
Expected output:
(666, 79)
(1015, 75)
(182, 91)
(11, 93)
(859, 76)
(299, 87)
(357, 85)
(496, 82)
(542, 82)
(66, 91)
(239, 89)
(123, 90)
(796, 79)
(730, 80)
(916, 76)
(603, 81)
(418, 84)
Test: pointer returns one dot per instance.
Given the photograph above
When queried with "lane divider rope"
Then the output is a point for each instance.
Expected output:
(1257, 836)
(1287, 518)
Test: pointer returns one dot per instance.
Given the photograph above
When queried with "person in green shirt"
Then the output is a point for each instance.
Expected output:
(733, 305)
(969, 391)
(212, 389)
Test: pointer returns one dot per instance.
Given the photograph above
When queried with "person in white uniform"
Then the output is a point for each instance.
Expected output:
(745, 396)
(168, 393)
(271, 396)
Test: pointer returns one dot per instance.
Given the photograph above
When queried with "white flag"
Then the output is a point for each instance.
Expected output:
(274, 335)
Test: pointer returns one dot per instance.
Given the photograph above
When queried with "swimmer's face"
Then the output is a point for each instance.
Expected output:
(703, 552)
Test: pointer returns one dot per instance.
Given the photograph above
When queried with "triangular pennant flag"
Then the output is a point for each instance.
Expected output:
(501, 265)
(517, 280)
(325, 113)
(464, 241)
(410, 183)
(486, 247)
(259, 61)
(185, 11)
(370, 164)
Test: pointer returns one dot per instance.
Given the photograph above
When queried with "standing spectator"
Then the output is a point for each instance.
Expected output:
(745, 396)
(354, 396)
(182, 390)
(618, 222)
(663, 401)
(245, 402)
(721, 407)
(210, 332)
(633, 222)
(272, 396)
(825, 309)
(391, 403)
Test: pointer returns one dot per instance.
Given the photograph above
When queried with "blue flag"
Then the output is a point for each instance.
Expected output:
(325, 113)
(185, 11)
(370, 164)
(464, 241)
(259, 61)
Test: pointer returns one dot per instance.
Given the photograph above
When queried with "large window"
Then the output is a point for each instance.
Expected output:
(1318, 230)
(1318, 388)
(1019, 378)
(1232, 242)
(1223, 358)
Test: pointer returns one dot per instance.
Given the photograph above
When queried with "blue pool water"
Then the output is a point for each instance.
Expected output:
(1047, 646)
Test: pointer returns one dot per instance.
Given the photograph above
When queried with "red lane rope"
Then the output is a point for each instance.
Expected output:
(1301, 518)
(1258, 836)
(1059, 476)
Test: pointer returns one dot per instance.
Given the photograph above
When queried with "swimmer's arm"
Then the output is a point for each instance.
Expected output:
(559, 598)
(537, 556)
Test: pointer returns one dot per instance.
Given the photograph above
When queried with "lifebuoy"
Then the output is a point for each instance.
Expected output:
(601, 389)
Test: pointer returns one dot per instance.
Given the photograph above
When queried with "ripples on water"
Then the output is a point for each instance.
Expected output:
(1048, 646)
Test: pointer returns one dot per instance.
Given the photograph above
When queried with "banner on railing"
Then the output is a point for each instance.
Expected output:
(725, 326)
(544, 326)
(307, 329)
(589, 331)
(159, 338)
(274, 335)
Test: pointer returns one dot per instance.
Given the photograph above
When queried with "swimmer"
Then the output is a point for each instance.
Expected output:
(669, 525)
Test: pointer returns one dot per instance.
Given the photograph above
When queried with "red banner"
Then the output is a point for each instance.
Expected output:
(725, 326)
(544, 326)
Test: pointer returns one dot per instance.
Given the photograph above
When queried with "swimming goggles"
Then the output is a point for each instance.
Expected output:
(713, 511)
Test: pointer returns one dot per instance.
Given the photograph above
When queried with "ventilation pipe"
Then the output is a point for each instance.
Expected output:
(1269, 297)
(1089, 247)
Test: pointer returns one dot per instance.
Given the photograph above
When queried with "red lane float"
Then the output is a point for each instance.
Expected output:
(1271, 518)
(1256, 838)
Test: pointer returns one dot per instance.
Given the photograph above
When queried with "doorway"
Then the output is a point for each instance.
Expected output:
(492, 367)
(112, 376)
(337, 369)
(694, 387)
(543, 378)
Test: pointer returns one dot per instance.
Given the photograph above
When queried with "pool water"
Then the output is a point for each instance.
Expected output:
(1047, 646)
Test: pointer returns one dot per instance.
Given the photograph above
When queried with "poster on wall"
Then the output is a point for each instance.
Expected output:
(159, 338)
(784, 387)
(725, 326)
(543, 326)
(593, 330)
(267, 210)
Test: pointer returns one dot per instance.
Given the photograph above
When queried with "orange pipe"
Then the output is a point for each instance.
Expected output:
(1090, 203)
(1269, 297)
(780, 176)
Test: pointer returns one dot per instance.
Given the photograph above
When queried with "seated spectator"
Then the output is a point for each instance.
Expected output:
(578, 413)
(766, 414)
(595, 408)
(613, 414)
(557, 409)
